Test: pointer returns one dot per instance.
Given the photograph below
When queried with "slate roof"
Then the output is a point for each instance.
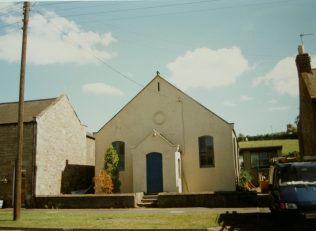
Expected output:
(310, 82)
(9, 111)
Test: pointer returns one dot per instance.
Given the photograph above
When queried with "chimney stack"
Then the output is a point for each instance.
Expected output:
(303, 61)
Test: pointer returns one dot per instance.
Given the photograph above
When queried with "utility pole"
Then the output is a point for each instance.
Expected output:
(18, 161)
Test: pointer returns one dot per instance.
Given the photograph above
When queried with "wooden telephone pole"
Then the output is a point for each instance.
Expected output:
(18, 162)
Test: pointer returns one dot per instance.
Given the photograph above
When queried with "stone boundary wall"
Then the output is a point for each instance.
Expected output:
(165, 200)
(88, 201)
(213, 200)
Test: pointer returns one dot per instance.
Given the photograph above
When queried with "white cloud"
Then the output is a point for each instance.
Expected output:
(228, 103)
(53, 39)
(6, 7)
(279, 108)
(273, 101)
(204, 67)
(101, 88)
(283, 77)
(245, 98)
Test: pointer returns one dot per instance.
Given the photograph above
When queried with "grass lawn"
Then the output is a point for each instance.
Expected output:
(289, 145)
(59, 218)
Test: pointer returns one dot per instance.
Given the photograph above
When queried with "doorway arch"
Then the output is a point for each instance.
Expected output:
(154, 172)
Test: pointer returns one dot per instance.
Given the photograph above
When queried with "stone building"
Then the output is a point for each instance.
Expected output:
(307, 117)
(53, 137)
(168, 142)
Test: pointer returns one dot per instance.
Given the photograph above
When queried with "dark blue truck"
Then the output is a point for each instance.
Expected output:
(293, 188)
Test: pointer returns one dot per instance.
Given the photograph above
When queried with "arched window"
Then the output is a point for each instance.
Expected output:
(206, 151)
(119, 147)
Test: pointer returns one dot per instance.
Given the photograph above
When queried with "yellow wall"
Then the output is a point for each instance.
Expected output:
(180, 120)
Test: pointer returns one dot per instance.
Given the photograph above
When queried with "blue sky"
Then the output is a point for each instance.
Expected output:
(234, 57)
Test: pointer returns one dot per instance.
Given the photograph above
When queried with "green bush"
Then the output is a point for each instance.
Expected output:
(244, 177)
(111, 166)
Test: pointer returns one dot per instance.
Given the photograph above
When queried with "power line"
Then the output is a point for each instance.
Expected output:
(10, 24)
(71, 8)
(56, 3)
(176, 4)
(101, 60)
(140, 8)
(18, 4)
(120, 73)
(15, 8)
(117, 71)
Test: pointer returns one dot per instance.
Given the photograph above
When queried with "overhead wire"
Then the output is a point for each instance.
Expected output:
(13, 9)
(11, 24)
(101, 60)
(140, 8)
(86, 5)
(182, 12)
(157, 6)
(114, 69)
(176, 13)
(10, 6)
(56, 3)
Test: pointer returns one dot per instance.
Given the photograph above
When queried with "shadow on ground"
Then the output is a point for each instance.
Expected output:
(263, 221)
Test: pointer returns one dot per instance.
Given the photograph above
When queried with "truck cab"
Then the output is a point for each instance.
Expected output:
(293, 188)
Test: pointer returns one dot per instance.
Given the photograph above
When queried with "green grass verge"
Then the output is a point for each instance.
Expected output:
(58, 218)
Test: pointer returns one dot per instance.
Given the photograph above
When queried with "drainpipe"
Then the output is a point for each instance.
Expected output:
(183, 140)
(33, 193)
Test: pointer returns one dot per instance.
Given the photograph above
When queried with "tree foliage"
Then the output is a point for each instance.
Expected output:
(103, 183)
(244, 177)
(290, 133)
(272, 136)
(111, 166)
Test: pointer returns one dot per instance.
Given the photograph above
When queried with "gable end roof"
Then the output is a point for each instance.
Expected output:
(310, 82)
(145, 88)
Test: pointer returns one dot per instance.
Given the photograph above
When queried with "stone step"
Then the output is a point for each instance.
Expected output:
(146, 205)
(145, 200)
(148, 201)
(150, 197)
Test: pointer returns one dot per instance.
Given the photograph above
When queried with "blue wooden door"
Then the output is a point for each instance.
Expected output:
(154, 172)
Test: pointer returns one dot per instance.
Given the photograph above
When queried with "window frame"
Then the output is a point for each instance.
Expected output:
(261, 159)
(206, 157)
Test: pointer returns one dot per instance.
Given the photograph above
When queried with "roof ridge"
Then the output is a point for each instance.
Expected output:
(28, 101)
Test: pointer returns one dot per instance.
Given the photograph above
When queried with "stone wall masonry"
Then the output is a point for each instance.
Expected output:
(90, 156)
(8, 152)
(60, 137)
(213, 200)
(307, 123)
(88, 201)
